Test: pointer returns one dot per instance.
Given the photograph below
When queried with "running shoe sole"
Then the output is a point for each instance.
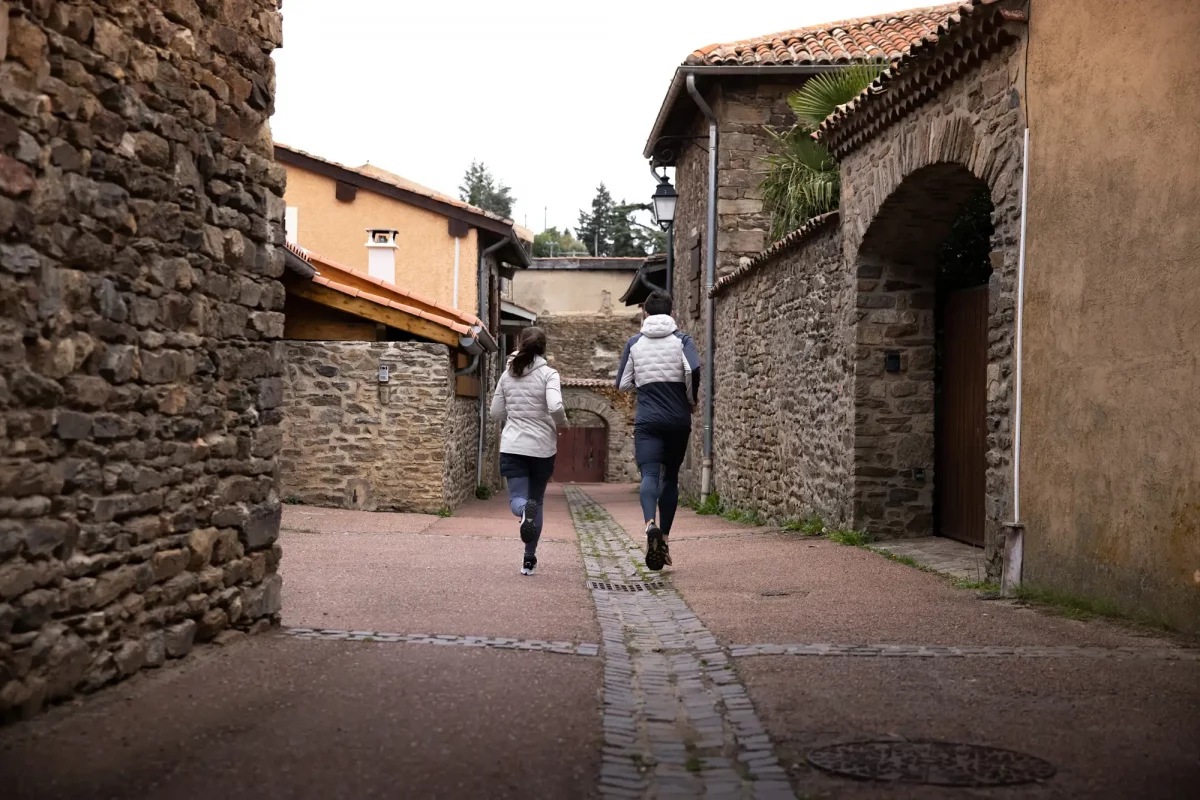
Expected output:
(656, 554)
(528, 531)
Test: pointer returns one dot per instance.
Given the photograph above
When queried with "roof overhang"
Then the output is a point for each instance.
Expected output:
(674, 117)
(519, 312)
(651, 276)
(337, 172)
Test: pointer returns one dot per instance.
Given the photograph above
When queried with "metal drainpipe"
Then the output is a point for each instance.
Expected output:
(483, 402)
(710, 278)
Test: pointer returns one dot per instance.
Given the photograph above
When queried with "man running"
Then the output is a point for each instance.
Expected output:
(661, 363)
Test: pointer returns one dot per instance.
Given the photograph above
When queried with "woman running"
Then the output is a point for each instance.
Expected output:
(528, 402)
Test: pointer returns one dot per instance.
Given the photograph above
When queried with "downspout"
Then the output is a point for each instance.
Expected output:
(456, 249)
(710, 279)
(483, 402)
(1014, 545)
(469, 368)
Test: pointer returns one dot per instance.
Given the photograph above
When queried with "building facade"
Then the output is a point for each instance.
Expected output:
(1038, 406)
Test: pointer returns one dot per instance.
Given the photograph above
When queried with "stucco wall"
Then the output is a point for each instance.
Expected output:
(344, 448)
(1110, 480)
(573, 291)
(783, 426)
(425, 248)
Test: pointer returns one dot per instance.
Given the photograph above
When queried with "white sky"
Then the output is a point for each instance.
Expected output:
(554, 96)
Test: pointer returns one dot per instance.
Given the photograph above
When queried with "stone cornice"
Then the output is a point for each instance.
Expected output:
(784, 245)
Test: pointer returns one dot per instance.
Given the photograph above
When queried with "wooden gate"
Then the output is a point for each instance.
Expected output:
(582, 455)
(962, 418)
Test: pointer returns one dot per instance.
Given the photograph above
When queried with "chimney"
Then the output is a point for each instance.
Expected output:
(381, 254)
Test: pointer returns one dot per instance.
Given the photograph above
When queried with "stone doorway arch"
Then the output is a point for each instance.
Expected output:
(902, 193)
(620, 465)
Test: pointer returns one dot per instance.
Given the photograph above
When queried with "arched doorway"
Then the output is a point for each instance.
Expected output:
(930, 334)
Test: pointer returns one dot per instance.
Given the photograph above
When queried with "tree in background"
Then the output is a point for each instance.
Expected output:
(481, 189)
(612, 230)
(595, 230)
(551, 243)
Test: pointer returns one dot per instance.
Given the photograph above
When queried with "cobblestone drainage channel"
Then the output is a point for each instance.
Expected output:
(931, 763)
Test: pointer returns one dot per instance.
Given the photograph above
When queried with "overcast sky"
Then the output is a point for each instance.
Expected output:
(554, 96)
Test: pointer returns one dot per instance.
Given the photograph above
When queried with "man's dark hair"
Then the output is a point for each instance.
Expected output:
(659, 302)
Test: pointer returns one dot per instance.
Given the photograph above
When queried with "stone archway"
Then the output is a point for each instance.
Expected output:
(901, 193)
(621, 466)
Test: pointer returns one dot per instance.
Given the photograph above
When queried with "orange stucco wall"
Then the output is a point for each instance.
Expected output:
(425, 254)
(1110, 483)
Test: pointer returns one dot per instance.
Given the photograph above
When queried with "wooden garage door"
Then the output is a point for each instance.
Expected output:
(582, 455)
(962, 422)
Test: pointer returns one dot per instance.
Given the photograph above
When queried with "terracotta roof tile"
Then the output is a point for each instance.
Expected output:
(886, 36)
(455, 324)
(319, 261)
(789, 242)
(974, 30)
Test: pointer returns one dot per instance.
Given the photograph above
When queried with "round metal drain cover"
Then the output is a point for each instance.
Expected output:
(932, 763)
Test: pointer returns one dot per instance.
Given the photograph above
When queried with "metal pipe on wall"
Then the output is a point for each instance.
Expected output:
(483, 401)
(1014, 538)
(710, 280)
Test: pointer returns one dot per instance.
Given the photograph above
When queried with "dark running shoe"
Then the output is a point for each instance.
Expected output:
(656, 548)
(528, 565)
(666, 552)
(528, 531)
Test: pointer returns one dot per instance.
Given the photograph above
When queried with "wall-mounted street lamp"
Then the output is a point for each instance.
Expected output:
(664, 200)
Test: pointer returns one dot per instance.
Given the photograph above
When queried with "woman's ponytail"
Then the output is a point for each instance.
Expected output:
(531, 344)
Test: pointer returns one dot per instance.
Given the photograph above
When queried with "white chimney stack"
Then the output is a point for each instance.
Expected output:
(381, 254)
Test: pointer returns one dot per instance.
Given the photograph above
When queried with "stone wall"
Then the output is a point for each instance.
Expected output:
(343, 447)
(783, 420)
(461, 450)
(901, 192)
(587, 345)
(139, 386)
(743, 108)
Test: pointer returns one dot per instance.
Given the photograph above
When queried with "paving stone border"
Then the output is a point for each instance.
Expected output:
(961, 651)
(493, 642)
(677, 721)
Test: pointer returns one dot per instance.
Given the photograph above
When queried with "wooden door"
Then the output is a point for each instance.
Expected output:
(962, 418)
(582, 455)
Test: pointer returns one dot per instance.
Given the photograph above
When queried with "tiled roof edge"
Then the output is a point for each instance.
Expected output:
(894, 93)
(784, 245)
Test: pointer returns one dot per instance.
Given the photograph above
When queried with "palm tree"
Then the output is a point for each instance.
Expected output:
(802, 177)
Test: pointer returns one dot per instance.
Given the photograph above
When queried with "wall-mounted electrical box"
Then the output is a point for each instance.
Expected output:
(891, 361)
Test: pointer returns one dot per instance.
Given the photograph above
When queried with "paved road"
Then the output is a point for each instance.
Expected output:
(417, 662)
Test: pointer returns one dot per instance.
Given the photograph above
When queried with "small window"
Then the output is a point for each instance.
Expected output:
(291, 224)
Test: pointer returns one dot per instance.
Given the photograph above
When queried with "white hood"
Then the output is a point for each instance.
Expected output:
(658, 326)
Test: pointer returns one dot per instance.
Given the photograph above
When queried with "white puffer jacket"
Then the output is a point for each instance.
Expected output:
(529, 407)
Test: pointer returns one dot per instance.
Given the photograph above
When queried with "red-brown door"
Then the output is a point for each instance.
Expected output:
(582, 455)
(962, 421)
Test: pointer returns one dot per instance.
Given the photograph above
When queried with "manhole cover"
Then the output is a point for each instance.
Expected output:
(610, 586)
(933, 763)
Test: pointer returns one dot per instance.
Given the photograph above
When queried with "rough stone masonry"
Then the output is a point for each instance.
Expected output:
(140, 390)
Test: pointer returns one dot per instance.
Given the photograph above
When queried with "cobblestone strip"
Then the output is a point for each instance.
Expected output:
(962, 651)
(495, 643)
(677, 721)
